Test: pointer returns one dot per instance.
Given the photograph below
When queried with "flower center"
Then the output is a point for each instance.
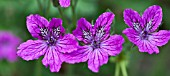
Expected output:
(95, 44)
(50, 36)
(144, 35)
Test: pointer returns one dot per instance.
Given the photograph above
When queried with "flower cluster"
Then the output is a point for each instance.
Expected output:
(97, 42)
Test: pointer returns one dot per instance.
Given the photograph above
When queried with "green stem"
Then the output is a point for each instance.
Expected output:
(74, 17)
(40, 6)
(60, 12)
(117, 70)
(123, 68)
(38, 68)
(47, 8)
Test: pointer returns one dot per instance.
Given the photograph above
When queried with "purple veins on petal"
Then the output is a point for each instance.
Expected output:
(97, 58)
(98, 42)
(35, 23)
(53, 58)
(147, 46)
(147, 39)
(102, 25)
(52, 42)
(132, 19)
(84, 31)
(32, 49)
(113, 45)
(66, 44)
(64, 3)
(81, 55)
(160, 38)
(152, 17)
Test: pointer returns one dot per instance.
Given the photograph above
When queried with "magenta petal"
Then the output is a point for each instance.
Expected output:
(81, 55)
(152, 18)
(131, 17)
(97, 58)
(160, 38)
(8, 45)
(83, 32)
(67, 44)
(64, 3)
(147, 46)
(32, 49)
(103, 25)
(56, 23)
(11, 56)
(53, 59)
(113, 45)
(132, 35)
(34, 23)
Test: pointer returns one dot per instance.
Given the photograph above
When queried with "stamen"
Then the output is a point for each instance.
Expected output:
(44, 32)
(56, 32)
(87, 35)
(100, 32)
(149, 25)
(144, 35)
(95, 44)
(136, 26)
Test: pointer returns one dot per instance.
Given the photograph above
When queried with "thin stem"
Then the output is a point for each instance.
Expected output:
(74, 17)
(117, 70)
(60, 12)
(40, 6)
(38, 68)
(48, 8)
(123, 68)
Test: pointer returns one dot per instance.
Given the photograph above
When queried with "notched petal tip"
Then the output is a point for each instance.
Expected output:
(104, 20)
(53, 58)
(147, 46)
(97, 58)
(55, 22)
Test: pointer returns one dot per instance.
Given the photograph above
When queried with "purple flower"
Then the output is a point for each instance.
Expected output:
(8, 46)
(52, 42)
(142, 31)
(99, 44)
(64, 3)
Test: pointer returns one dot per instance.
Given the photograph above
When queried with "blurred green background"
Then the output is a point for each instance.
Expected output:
(13, 15)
